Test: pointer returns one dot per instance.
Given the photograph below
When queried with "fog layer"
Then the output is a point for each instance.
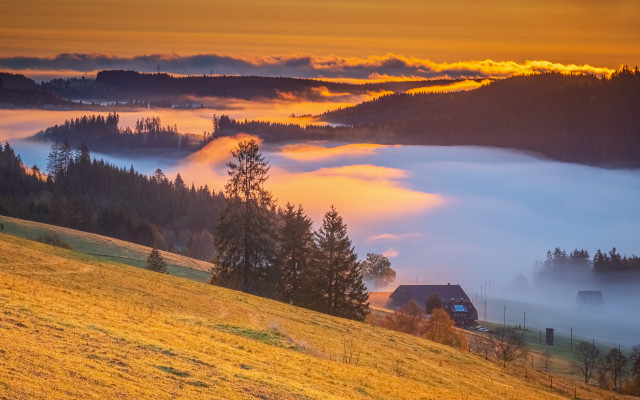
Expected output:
(442, 214)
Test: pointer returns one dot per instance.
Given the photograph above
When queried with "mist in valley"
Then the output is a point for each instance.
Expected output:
(460, 215)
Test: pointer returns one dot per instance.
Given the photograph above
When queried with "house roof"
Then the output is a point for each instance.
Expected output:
(419, 293)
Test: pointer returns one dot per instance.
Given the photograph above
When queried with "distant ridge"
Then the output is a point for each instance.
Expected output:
(579, 119)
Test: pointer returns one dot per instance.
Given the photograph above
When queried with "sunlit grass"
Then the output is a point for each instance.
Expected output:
(73, 327)
(106, 248)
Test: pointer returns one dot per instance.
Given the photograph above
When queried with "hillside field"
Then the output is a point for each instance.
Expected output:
(107, 248)
(73, 326)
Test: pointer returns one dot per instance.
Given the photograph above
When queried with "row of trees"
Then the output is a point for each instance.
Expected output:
(103, 133)
(560, 265)
(610, 369)
(614, 261)
(277, 254)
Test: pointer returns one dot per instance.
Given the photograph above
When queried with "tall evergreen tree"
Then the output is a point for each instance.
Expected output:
(59, 158)
(337, 283)
(246, 236)
(294, 254)
(53, 160)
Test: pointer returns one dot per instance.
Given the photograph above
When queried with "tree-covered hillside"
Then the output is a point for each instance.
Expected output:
(580, 119)
(94, 196)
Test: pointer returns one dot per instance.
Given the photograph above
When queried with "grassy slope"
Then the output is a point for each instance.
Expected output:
(74, 327)
(106, 248)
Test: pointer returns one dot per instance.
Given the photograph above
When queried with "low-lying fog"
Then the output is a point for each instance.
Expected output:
(441, 214)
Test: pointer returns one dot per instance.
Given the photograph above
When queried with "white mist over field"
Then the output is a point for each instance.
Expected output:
(462, 215)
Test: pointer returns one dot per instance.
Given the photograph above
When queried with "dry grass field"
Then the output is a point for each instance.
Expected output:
(73, 327)
(106, 248)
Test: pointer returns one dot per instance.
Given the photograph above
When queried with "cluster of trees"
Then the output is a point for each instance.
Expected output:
(275, 253)
(434, 323)
(414, 320)
(94, 196)
(613, 370)
(103, 133)
(280, 132)
(612, 261)
(559, 264)
(562, 266)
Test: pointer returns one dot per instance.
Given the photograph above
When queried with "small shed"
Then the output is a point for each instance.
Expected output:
(589, 298)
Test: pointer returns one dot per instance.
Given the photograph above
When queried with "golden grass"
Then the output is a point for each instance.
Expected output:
(108, 248)
(72, 327)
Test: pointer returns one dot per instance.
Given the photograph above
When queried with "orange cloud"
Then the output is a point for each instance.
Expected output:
(472, 68)
(307, 152)
(391, 253)
(385, 68)
(454, 87)
(394, 237)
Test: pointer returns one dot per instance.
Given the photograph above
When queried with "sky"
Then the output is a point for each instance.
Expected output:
(602, 34)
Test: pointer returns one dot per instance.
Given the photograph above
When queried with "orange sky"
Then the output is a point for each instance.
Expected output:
(602, 33)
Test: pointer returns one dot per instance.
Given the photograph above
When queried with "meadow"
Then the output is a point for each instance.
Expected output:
(107, 248)
(74, 326)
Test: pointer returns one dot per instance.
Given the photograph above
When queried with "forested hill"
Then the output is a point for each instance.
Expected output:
(16, 81)
(93, 196)
(579, 119)
(123, 85)
(18, 91)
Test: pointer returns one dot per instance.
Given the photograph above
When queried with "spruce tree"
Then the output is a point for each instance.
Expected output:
(294, 254)
(246, 236)
(59, 158)
(155, 262)
(337, 285)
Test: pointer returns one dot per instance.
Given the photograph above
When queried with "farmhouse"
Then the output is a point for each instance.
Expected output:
(454, 300)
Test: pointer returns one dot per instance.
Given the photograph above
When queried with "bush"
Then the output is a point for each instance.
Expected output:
(155, 262)
(54, 240)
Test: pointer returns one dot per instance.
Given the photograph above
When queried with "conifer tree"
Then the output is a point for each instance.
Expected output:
(59, 158)
(337, 285)
(245, 238)
(155, 262)
(293, 260)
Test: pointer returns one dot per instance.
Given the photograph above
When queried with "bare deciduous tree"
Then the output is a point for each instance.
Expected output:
(481, 345)
(509, 344)
(586, 358)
